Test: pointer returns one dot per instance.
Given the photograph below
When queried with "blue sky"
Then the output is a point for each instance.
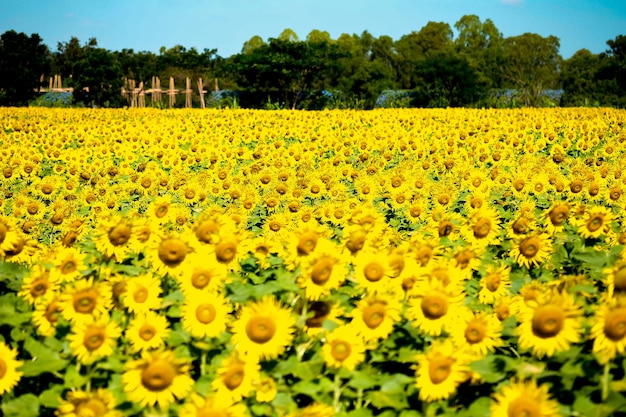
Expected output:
(147, 25)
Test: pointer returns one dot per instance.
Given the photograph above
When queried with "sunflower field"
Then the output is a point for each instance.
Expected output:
(402, 262)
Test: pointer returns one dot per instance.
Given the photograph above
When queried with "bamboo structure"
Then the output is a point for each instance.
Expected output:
(201, 91)
(172, 92)
(188, 92)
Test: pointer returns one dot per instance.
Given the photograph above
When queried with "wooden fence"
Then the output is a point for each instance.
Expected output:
(136, 93)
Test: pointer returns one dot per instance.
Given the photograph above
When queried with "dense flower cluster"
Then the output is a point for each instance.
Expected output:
(298, 263)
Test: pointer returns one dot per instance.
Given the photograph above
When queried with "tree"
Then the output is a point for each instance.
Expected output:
(23, 60)
(97, 79)
(613, 71)
(531, 65)
(579, 79)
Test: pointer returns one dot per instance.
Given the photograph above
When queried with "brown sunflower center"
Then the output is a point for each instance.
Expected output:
(205, 313)
(356, 241)
(160, 211)
(615, 324)
(158, 375)
(523, 407)
(190, 193)
(519, 184)
(307, 242)
(206, 229)
(172, 251)
(322, 271)
(92, 407)
(340, 350)
(147, 331)
(576, 186)
(39, 287)
(619, 279)
(85, 301)
(424, 255)
(595, 222)
(261, 329)
(482, 228)
(373, 272)
(200, 279)
(475, 332)
(548, 321)
(3, 231)
(3, 369)
(234, 376)
(68, 266)
(445, 228)
(47, 188)
(32, 208)
(503, 311)
(226, 250)
(321, 310)
(52, 312)
(492, 282)
(615, 193)
(521, 226)
(120, 234)
(140, 295)
(559, 214)
(374, 314)
(94, 338)
(530, 246)
(439, 369)
(434, 305)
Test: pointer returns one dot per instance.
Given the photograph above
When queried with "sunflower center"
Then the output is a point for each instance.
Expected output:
(3, 231)
(147, 332)
(519, 184)
(424, 255)
(3, 369)
(172, 251)
(92, 407)
(32, 208)
(161, 210)
(529, 247)
(47, 188)
(322, 271)
(548, 321)
(374, 314)
(523, 407)
(206, 229)
(595, 222)
(559, 214)
(475, 332)
(434, 305)
(226, 250)
(340, 350)
(52, 312)
(307, 243)
(482, 228)
(85, 301)
(94, 338)
(503, 311)
(521, 226)
(190, 193)
(140, 295)
(234, 376)
(439, 369)
(200, 279)
(119, 234)
(492, 282)
(39, 287)
(261, 329)
(158, 375)
(373, 272)
(619, 279)
(205, 313)
(356, 241)
(68, 266)
(320, 311)
(445, 228)
(576, 186)
(615, 324)
(615, 193)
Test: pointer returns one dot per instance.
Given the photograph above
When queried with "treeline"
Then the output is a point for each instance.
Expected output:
(432, 67)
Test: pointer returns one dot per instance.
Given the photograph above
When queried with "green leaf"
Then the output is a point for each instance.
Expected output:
(487, 369)
(362, 380)
(380, 399)
(593, 258)
(25, 406)
(310, 388)
(50, 397)
(396, 383)
(73, 379)
(44, 359)
(360, 412)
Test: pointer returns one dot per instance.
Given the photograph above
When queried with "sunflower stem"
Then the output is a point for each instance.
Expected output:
(337, 393)
(359, 398)
(605, 381)
(203, 358)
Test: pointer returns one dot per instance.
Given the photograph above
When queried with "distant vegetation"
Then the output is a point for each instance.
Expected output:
(432, 67)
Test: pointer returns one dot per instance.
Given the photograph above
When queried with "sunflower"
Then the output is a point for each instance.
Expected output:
(494, 284)
(94, 339)
(478, 334)
(69, 264)
(432, 307)
(46, 315)
(235, 378)
(556, 217)
(423, 250)
(374, 316)
(265, 388)
(324, 270)
(609, 330)
(9, 375)
(263, 329)
(343, 348)
(227, 250)
(147, 331)
(37, 284)
(198, 406)
(142, 294)
(550, 326)
(372, 271)
(439, 371)
(115, 237)
(595, 222)
(262, 247)
(98, 403)
(168, 255)
(318, 312)
(157, 378)
(314, 410)
(205, 314)
(9, 233)
(482, 227)
(202, 276)
(524, 399)
(84, 299)
(531, 250)
(616, 279)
